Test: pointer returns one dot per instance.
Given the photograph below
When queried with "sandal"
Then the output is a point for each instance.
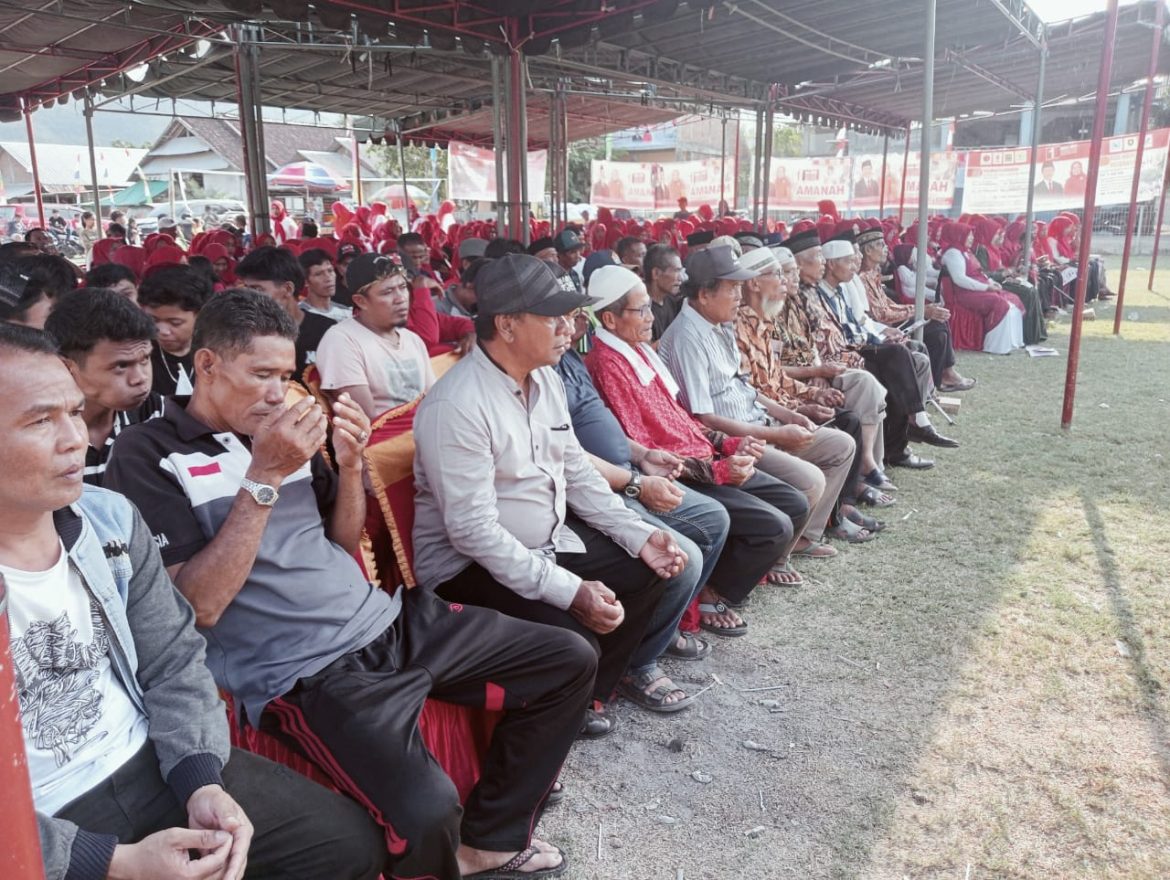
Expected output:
(872, 497)
(783, 575)
(816, 550)
(695, 648)
(510, 870)
(851, 532)
(650, 689)
(952, 387)
(719, 608)
(556, 794)
(596, 725)
(878, 480)
(866, 522)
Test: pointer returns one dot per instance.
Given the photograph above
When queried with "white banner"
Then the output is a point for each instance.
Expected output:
(471, 173)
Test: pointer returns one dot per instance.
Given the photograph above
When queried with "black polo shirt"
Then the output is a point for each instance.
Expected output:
(313, 327)
(95, 459)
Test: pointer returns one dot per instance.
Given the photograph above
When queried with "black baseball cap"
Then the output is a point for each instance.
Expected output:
(517, 283)
(365, 269)
(347, 251)
(567, 240)
(717, 263)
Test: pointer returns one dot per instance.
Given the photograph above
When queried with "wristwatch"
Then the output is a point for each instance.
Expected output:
(261, 493)
(633, 489)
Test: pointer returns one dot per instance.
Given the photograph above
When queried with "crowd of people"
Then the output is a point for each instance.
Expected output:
(645, 423)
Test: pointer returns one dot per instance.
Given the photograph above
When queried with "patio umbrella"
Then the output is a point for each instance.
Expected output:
(302, 176)
(392, 196)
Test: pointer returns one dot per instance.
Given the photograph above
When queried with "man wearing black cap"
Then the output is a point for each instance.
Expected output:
(569, 248)
(509, 512)
(544, 249)
(697, 241)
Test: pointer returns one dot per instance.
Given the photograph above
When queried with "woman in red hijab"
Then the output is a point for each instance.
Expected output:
(966, 286)
(283, 226)
(989, 237)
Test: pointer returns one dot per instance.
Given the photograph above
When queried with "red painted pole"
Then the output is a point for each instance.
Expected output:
(1074, 342)
(905, 169)
(1158, 226)
(32, 160)
(882, 194)
(1137, 166)
(20, 854)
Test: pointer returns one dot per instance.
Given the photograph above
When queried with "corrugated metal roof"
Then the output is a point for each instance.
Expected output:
(67, 164)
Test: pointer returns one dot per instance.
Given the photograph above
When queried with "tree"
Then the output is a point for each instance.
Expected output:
(421, 162)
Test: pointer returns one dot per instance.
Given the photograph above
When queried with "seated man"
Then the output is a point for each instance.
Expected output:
(843, 329)
(458, 300)
(756, 336)
(631, 253)
(106, 343)
(764, 513)
(701, 352)
(276, 273)
(498, 470)
(258, 532)
(662, 270)
(173, 296)
(372, 357)
(320, 285)
(116, 277)
(126, 738)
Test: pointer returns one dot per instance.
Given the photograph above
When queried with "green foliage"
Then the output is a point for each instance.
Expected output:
(384, 157)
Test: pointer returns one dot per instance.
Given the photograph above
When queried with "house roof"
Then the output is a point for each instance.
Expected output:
(67, 164)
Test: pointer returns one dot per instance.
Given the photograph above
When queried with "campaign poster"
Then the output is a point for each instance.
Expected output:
(865, 192)
(471, 173)
(997, 180)
(798, 184)
(658, 186)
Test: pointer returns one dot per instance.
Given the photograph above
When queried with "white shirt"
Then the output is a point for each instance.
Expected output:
(956, 265)
(336, 311)
(396, 372)
(79, 723)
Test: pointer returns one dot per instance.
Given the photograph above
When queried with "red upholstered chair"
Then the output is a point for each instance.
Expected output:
(458, 737)
(966, 326)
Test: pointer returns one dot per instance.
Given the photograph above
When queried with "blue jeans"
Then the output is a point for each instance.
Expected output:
(700, 525)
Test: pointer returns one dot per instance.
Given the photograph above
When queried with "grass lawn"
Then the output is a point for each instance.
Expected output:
(979, 693)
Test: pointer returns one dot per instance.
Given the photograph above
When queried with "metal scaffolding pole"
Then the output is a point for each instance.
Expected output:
(406, 202)
(723, 163)
(882, 192)
(1158, 227)
(1074, 342)
(20, 856)
(93, 175)
(905, 170)
(923, 261)
(756, 157)
(515, 143)
(499, 110)
(522, 154)
(1026, 251)
(357, 169)
(1159, 23)
(32, 159)
(251, 139)
(766, 170)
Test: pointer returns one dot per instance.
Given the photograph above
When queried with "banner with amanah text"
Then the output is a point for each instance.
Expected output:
(471, 173)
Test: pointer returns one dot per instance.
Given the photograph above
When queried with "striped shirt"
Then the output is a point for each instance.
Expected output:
(704, 359)
(95, 459)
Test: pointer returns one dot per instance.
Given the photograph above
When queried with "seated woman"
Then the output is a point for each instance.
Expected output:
(989, 237)
(1063, 247)
(1002, 313)
(766, 514)
(905, 258)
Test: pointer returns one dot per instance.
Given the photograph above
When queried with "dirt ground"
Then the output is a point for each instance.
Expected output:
(979, 693)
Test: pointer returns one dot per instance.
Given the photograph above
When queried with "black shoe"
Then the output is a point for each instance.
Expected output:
(919, 434)
(911, 460)
(597, 725)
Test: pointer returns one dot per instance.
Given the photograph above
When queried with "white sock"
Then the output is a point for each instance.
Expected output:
(921, 420)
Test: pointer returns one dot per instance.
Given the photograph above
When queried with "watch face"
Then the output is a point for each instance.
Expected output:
(266, 495)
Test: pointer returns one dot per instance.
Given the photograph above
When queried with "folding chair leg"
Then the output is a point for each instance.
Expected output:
(941, 411)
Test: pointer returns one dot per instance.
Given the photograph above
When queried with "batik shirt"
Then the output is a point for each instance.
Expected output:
(881, 308)
(760, 346)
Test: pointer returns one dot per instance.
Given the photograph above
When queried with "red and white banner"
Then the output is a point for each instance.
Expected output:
(657, 186)
(798, 184)
(471, 173)
(867, 181)
(997, 180)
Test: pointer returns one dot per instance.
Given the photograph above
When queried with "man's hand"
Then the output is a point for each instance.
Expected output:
(830, 371)
(740, 469)
(286, 440)
(166, 854)
(934, 312)
(660, 494)
(893, 334)
(597, 607)
(351, 430)
(663, 555)
(211, 808)
(753, 447)
(660, 463)
(465, 345)
(829, 397)
(816, 413)
(793, 417)
(791, 438)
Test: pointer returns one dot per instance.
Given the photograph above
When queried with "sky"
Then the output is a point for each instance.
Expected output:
(1062, 10)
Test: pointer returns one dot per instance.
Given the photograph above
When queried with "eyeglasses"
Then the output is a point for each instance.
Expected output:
(645, 312)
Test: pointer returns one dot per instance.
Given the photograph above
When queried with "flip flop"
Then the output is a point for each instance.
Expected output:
(866, 522)
(556, 795)
(510, 870)
(816, 550)
(847, 530)
(872, 497)
(696, 648)
(878, 480)
(952, 387)
(596, 725)
(720, 608)
(633, 688)
(780, 569)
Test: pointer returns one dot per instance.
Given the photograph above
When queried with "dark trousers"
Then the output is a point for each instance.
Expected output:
(302, 831)
(637, 587)
(765, 514)
(937, 337)
(894, 367)
(358, 719)
(848, 422)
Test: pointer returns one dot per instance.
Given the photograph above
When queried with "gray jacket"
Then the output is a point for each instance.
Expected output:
(157, 655)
